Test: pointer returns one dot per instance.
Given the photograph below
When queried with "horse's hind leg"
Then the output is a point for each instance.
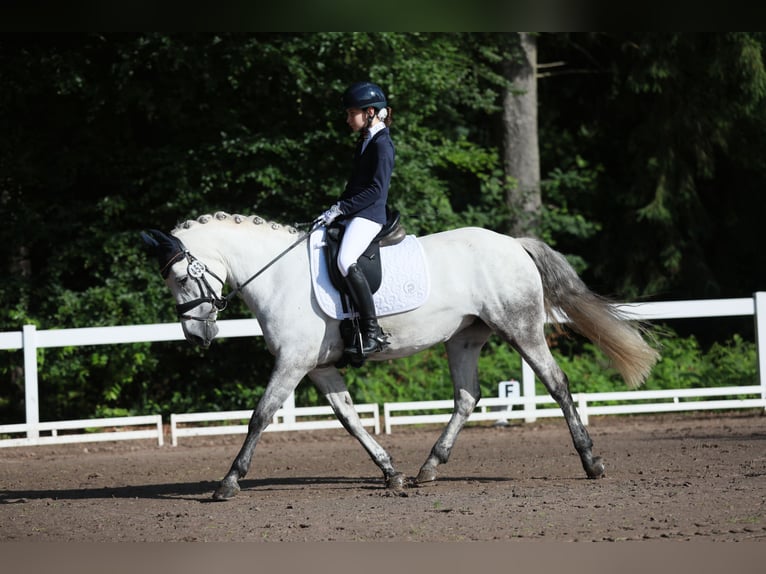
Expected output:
(535, 351)
(331, 384)
(463, 355)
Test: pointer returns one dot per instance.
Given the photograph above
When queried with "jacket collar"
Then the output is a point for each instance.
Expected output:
(373, 131)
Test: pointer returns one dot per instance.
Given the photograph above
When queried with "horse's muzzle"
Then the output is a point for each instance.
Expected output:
(200, 332)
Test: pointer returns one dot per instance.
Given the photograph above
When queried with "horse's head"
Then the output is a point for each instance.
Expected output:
(198, 299)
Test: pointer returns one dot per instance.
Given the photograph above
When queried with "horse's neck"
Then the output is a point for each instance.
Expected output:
(276, 273)
(246, 251)
(260, 257)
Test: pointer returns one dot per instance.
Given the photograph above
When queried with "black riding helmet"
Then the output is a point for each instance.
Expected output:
(364, 95)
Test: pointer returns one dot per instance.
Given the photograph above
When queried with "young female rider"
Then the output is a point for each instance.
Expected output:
(362, 206)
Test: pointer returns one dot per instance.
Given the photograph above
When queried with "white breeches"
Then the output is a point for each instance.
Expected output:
(359, 234)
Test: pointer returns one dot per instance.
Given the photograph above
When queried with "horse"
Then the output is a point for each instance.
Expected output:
(482, 282)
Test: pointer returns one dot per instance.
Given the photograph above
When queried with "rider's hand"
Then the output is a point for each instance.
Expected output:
(330, 215)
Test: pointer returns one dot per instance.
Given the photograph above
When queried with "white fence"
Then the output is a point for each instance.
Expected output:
(285, 419)
(662, 401)
(30, 340)
(530, 406)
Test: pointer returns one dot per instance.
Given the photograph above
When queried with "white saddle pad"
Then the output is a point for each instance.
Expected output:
(405, 285)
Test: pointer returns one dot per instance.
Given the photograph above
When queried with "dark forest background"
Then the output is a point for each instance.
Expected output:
(651, 160)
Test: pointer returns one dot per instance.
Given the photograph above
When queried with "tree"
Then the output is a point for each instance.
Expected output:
(521, 156)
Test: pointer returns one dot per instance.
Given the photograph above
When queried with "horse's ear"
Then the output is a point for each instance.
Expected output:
(165, 248)
(150, 243)
(156, 240)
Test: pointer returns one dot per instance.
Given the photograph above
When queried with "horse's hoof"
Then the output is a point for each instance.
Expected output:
(426, 474)
(395, 485)
(396, 482)
(596, 468)
(226, 490)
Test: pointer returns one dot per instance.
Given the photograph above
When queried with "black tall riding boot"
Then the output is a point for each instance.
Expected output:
(373, 338)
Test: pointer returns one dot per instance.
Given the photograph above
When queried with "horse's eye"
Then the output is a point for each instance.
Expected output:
(181, 281)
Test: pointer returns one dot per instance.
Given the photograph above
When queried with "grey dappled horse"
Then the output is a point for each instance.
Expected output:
(482, 282)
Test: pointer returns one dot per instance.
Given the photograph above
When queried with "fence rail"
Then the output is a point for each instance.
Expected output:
(284, 420)
(502, 409)
(30, 339)
(115, 425)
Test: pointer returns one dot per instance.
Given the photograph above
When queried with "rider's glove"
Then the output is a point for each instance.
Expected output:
(330, 215)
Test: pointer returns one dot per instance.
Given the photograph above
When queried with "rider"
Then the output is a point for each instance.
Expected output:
(362, 205)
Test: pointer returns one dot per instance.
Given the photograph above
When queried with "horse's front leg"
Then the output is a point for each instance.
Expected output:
(330, 383)
(283, 381)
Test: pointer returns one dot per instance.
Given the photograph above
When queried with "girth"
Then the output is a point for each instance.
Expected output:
(369, 262)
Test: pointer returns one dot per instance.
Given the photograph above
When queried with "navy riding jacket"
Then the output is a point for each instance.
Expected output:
(366, 192)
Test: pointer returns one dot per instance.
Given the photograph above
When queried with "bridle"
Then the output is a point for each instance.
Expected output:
(198, 271)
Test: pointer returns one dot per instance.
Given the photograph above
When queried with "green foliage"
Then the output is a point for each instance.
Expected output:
(421, 377)
(732, 363)
(666, 116)
(559, 221)
(684, 364)
(426, 376)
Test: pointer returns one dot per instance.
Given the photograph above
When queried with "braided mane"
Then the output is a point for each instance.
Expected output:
(222, 216)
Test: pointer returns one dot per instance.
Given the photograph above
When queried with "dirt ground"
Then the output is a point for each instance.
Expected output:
(698, 477)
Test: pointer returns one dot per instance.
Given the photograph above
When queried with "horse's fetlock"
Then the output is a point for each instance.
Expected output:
(441, 454)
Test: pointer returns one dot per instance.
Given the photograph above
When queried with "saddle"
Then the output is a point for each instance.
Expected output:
(392, 233)
(369, 263)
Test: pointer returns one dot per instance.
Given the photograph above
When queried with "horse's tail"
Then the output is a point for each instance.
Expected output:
(591, 315)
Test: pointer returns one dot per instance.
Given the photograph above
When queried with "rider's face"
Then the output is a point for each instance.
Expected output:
(356, 118)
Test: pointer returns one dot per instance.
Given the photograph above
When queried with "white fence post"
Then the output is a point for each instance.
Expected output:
(528, 384)
(288, 409)
(582, 407)
(760, 338)
(29, 340)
